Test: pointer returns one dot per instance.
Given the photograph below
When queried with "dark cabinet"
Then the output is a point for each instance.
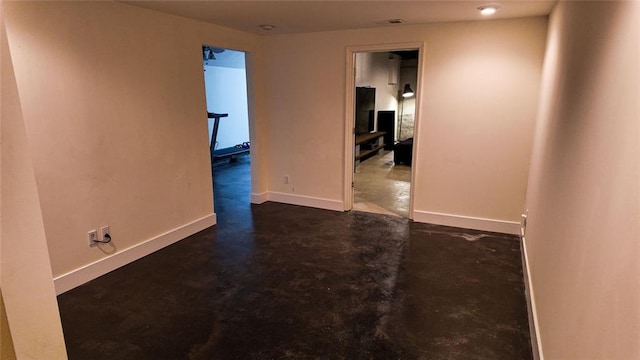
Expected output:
(386, 123)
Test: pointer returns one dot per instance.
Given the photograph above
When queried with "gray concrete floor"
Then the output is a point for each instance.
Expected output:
(277, 281)
(381, 187)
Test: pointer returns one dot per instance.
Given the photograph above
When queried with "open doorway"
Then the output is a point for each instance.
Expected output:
(384, 119)
(225, 79)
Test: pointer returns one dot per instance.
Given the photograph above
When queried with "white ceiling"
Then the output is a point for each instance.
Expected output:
(310, 16)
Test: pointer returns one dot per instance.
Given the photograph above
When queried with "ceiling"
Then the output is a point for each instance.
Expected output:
(304, 16)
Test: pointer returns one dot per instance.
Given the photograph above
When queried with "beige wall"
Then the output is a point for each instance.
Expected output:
(479, 97)
(584, 197)
(114, 105)
(6, 342)
(373, 70)
(26, 280)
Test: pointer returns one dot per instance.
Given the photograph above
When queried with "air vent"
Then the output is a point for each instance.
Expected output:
(395, 21)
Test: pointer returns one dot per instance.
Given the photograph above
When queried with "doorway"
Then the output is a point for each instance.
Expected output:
(380, 140)
(225, 78)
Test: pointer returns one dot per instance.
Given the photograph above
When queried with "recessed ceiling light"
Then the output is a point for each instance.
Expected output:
(267, 27)
(488, 9)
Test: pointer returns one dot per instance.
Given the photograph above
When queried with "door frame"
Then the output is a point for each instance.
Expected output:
(349, 123)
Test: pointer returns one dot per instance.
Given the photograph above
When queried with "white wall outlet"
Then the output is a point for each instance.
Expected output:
(286, 179)
(103, 231)
(92, 237)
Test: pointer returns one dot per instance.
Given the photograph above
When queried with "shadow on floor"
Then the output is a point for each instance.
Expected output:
(277, 281)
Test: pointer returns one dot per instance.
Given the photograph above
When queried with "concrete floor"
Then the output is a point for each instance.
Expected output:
(381, 187)
(277, 281)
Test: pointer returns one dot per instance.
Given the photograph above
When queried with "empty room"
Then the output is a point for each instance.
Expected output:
(518, 237)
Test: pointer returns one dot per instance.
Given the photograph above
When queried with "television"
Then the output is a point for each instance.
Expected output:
(365, 110)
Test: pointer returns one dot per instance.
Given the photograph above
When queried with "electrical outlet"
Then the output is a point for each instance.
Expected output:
(286, 179)
(103, 231)
(93, 237)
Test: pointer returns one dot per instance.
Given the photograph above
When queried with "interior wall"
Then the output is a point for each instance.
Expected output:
(372, 70)
(479, 93)
(7, 350)
(26, 283)
(116, 139)
(584, 193)
(407, 107)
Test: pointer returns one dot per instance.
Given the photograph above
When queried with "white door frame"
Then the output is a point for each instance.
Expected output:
(349, 138)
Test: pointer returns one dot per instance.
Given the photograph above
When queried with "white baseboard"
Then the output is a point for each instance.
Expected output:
(467, 222)
(77, 277)
(305, 201)
(259, 198)
(534, 330)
